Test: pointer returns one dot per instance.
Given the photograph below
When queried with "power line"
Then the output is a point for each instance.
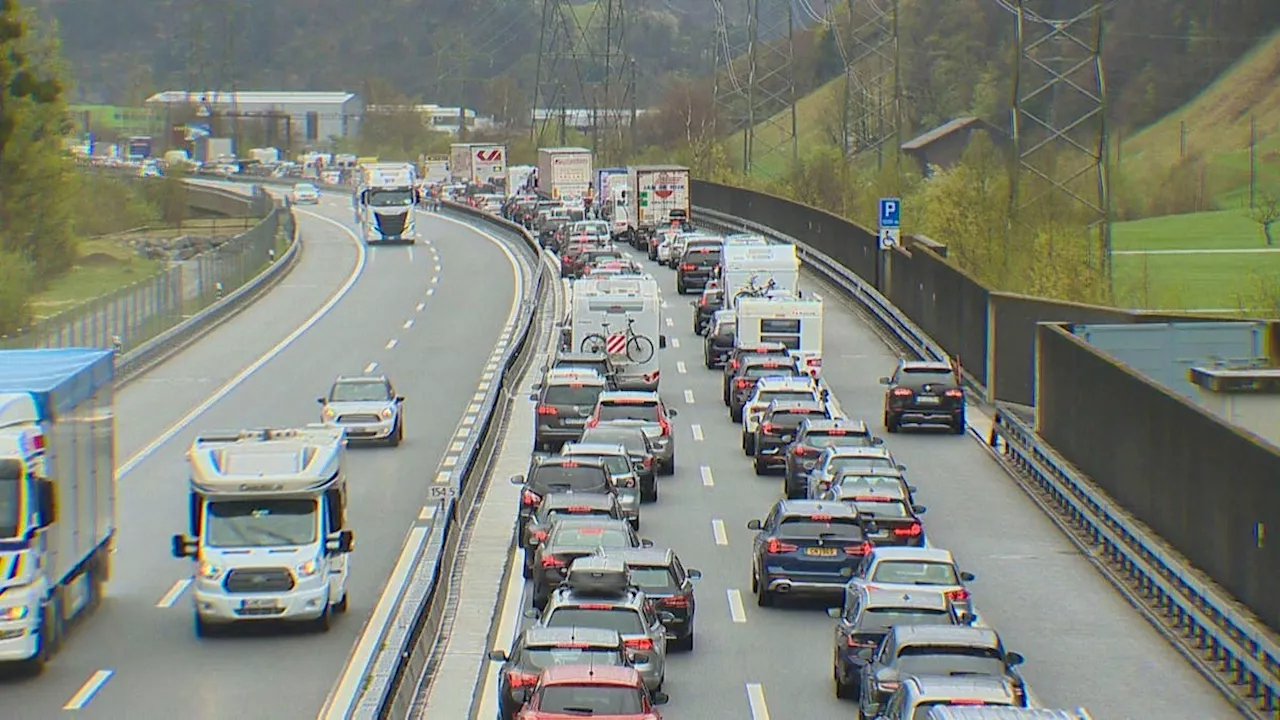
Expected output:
(763, 104)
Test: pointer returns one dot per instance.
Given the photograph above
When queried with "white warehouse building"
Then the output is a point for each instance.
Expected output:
(314, 116)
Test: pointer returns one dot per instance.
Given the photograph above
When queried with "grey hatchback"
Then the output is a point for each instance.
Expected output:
(565, 399)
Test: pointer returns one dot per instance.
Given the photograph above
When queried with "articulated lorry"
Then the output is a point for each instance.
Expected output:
(57, 495)
(656, 195)
(434, 169)
(268, 527)
(478, 163)
(383, 202)
(564, 172)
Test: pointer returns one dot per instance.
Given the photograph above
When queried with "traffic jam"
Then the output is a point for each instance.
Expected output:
(608, 604)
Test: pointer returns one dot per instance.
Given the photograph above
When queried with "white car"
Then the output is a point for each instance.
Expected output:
(766, 391)
(305, 194)
(903, 569)
(835, 462)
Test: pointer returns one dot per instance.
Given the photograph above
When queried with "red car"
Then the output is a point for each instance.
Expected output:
(571, 692)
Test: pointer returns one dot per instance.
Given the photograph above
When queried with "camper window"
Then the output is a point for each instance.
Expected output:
(11, 472)
(780, 326)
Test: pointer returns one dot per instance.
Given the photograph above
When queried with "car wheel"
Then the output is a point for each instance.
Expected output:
(891, 422)
(668, 469)
(397, 436)
(344, 604)
(755, 582)
(845, 691)
(706, 359)
(735, 414)
(759, 466)
(684, 644)
(526, 569)
(958, 427)
(203, 629)
(325, 621)
(764, 598)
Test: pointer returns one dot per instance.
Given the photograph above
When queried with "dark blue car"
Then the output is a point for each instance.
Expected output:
(806, 547)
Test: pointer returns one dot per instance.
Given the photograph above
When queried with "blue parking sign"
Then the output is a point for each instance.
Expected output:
(890, 213)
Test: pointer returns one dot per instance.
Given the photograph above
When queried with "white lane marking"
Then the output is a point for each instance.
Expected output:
(708, 480)
(353, 675)
(675, 342)
(755, 699)
(719, 533)
(457, 446)
(410, 253)
(816, 296)
(427, 512)
(370, 367)
(696, 429)
(347, 690)
(391, 343)
(437, 267)
(90, 688)
(664, 304)
(256, 365)
(408, 323)
(688, 397)
(169, 598)
(681, 367)
(468, 420)
(420, 307)
(736, 610)
(432, 291)
(670, 323)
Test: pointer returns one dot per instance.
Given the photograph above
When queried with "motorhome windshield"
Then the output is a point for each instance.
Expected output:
(261, 523)
(390, 198)
(10, 497)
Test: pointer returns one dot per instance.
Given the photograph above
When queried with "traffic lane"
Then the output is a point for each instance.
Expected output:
(385, 500)
(153, 402)
(1083, 642)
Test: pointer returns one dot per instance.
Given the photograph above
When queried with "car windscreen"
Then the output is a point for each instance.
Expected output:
(833, 438)
(10, 497)
(653, 579)
(760, 371)
(630, 438)
(842, 464)
(260, 523)
(564, 478)
(926, 377)
(588, 700)
(589, 537)
(767, 396)
(597, 365)
(645, 411)
(877, 485)
(881, 619)
(950, 660)
(622, 620)
(541, 658)
(808, 528)
(790, 420)
(923, 708)
(359, 392)
(573, 394)
(914, 572)
(882, 508)
(703, 259)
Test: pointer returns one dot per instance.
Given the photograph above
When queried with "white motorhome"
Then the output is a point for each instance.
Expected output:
(268, 527)
(783, 318)
(748, 263)
(622, 316)
(384, 200)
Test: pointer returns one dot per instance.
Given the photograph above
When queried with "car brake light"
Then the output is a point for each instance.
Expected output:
(912, 530)
(742, 383)
(643, 643)
(820, 517)
(590, 531)
(953, 393)
(578, 509)
(967, 701)
(703, 301)
(768, 427)
(648, 462)
(547, 410)
(733, 364)
(595, 606)
(858, 550)
(593, 422)
(902, 392)
(666, 426)
(572, 646)
(540, 535)
(551, 561)
(521, 680)
(569, 464)
(887, 687)
(675, 601)
(687, 267)
(838, 433)
(960, 594)
(777, 547)
(530, 498)
(800, 451)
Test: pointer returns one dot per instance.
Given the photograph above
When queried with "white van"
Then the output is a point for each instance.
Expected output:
(623, 317)
(749, 263)
(793, 321)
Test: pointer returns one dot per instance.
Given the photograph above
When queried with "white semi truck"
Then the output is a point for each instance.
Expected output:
(565, 172)
(384, 200)
(57, 495)
(478, 163)
(268, 527)
(656, 195)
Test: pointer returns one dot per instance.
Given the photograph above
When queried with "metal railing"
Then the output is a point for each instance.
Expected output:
(1234, 651)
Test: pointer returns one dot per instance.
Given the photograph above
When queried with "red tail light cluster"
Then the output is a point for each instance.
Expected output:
(648, 462)
(666, 426)
(912, 530)
(551, 561)
(593, 421)
(547, 410)
(540, 535)
(529, 498)
(743, 383)
(800, 451)
(960, 594)
(854, 642)
(902, 392)
(675, 601)
(953, 393)
(521, 680)
(777, 547)
(643, 643)
(858, 550)
(768, 428)
(688, 267)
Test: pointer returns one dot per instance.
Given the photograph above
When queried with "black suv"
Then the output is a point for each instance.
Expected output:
(565, 398)
(721, 334)
(705, 307)
(925, 393)
(667, 585)
(814, 435)
(697, 267)
(739, 355)
(559, 474)
(744, 379)
(778, 430)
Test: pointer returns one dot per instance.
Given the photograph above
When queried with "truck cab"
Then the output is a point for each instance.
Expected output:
(268, 527)
(384, 202)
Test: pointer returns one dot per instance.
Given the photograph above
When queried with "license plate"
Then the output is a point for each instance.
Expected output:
(259, 604)
(928, 400)
(820, 552)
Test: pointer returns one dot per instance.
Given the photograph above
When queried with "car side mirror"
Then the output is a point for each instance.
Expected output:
(517, 479)
(646, 543)
(754, 525)
(320, 401)
(672, 412)
(919, 509)
(46, 502)
(399, 398)
(662, 342)
(498, 655)
(693, 574)
(884, 381)
(183, 546)
(877, 441)
(835, 612)
(968, 576)
(902, 468)
(912, 489)
(534, 396)
(1013, 659)
(531, 614)
(340, 543)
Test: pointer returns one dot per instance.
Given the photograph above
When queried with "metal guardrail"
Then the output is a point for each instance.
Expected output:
(1231, 649)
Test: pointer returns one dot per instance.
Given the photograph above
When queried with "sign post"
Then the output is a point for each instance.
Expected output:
(888, 236)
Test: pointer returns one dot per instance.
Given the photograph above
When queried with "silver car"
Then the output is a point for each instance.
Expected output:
(646, 411)
(837, 459)
(903, 569)
(625, 476)
(305, 194)
(366, 407)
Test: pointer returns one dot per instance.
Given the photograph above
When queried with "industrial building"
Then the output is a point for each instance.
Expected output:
(312, 116)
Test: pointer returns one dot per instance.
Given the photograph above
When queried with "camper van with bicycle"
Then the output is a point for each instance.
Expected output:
(750, 266)
(765, 316)
(621, 316)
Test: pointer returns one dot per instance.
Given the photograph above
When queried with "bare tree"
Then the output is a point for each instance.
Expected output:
(1267, 213)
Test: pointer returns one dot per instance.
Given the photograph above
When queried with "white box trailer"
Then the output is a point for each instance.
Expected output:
(479, 163)
(783, 318)
(747, 263)
(57, 483)
(654, 192)
(565, 172)
(623, 316)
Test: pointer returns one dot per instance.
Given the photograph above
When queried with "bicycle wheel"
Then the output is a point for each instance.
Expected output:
(639, 349)
(593, 344)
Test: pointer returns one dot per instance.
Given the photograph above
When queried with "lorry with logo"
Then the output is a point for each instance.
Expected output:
(434, 169)
(384, 198)
(621, 316)
(564, 172)
(57, 495)
(268, 527)
(656, 194)
(478, 163)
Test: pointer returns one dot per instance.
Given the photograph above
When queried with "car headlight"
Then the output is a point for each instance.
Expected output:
(308, 568)
(387, 413)
(17, 612)
(209, 571)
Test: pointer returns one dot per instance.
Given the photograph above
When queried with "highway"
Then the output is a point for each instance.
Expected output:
(342, 310)
(1085, 645)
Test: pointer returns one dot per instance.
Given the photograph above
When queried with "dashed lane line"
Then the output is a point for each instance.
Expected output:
(737, 610)
(708, 480)
(370, 367)
(173, 593)
(755, 701)
(719, 533)
(696, 429)
(89, 690)
(688, 397)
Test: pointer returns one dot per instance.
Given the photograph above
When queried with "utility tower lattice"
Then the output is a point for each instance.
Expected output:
(583, 64)
(755, 89)
(1059, 126)
(873, 90)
